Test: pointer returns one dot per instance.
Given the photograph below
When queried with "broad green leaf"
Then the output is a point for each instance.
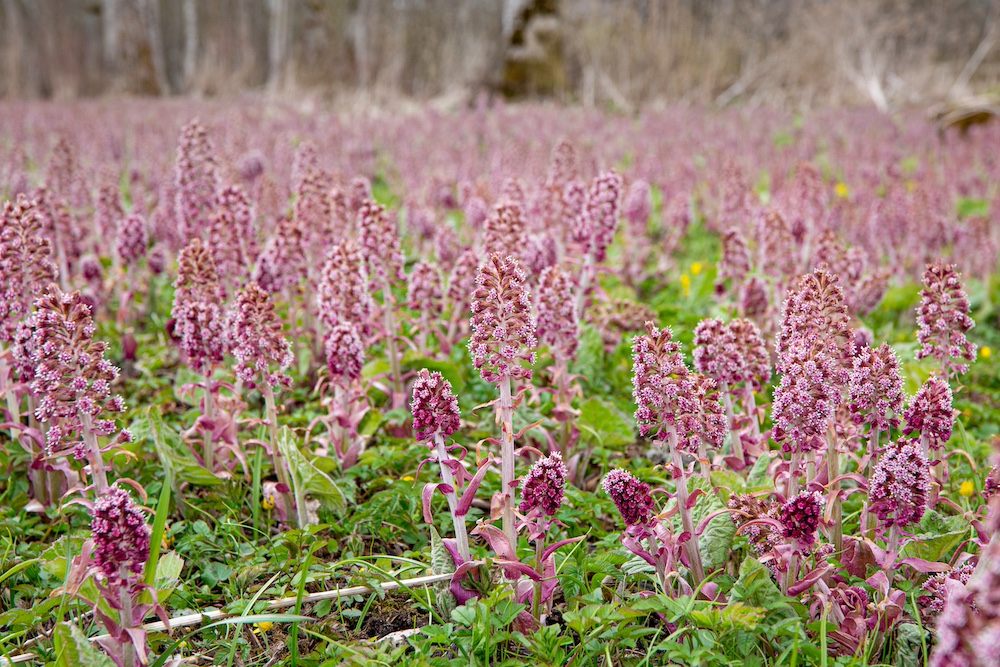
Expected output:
(168, 575)
(728, 482)
(717, 540)
(370, 423)
(307, 478)
(175, 455)
(73, 649)
(909, 647)
(936, 536)
(590, 355)
(609, 425)
(450, 371)
(442, 563)
(758, 479)
(756, 588)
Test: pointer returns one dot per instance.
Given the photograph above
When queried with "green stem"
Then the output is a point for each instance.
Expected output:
(461, 537)
(505, 415)
(694, 555)
(833, 471)
(97, 471)
(209, 447)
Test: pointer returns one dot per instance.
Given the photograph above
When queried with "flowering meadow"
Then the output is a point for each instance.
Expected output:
(509, 385)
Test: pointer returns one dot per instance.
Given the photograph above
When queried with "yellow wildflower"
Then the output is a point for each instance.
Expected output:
(408, 478)
(686, 284)
(842, 190)
(263, 626)
(696, 268)
(985, 352)
(268, 502)
(967, 489)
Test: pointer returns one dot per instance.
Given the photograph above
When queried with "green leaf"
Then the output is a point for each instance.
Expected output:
(442, 563)
(909, 645)
(936, 536)
(758, 479)
(307, 478)
(168, 575)
(451, 372)
(717, 540)
(74, 650)
(215, 572)
(609, 425)
(756, 588)
(967, 207)
(589, 355)
(175, 456)
(370, 423)
(260, 618)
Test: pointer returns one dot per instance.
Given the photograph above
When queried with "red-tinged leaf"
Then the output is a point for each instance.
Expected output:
(693, 498)
(428, 493)
(469, 494)
(498, 503)
(926, 567)
(552, 549)
(853, 476)
(497, 541)
(513, 568)
(461, 593)
(879, 581)
(804, 584)
(773, 523)
(704, 522)
(527, 428)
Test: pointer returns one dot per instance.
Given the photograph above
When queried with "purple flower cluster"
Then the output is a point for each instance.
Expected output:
(424, 290)
(282, 266)
(663, 389)
(196, 181)
(380, 243)
(108, 210)
(232, 237)
(503, 331)
(735, 262)
(462, 280)
(72, 379)
(749, 508)
(505, 231)
(638, 206)
(343, 289)
(26, 265)
(594, 227)
(132, 239)
(120, 533)
(557, 324)
(899, 485)
(345, 355)
(943, 319)
(543, 487)
(807, 397)
(197, 309)
(434, 407)
(936, 590)
(800, 517)
(733, 353)
(631, 497)
(930, 412)
(257, 340)
(876, 388)
(816, 311)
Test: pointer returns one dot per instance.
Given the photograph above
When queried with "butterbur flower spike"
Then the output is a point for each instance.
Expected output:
(800, 517)
(503, 331)
(900, 484)
(543, 486)
(197, 309)
(630, 496)
(261, 350)
(930, 413)
(434, 407)
(345, 355)
(943, 320)
(121, 535)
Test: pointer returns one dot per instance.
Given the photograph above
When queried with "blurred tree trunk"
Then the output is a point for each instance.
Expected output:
(190, 43)
(111, 29)
(277, 53)
(149, 14)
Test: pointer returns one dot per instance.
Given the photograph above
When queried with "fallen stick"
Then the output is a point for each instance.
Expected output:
(280, 603)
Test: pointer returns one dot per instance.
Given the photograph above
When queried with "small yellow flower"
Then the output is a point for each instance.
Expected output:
(263, 626)
(842, 190)
(686, 284)
(911, 186)
(967, 489)
(408, 478)
(985, 352)
(696, 268)
(268, 502)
